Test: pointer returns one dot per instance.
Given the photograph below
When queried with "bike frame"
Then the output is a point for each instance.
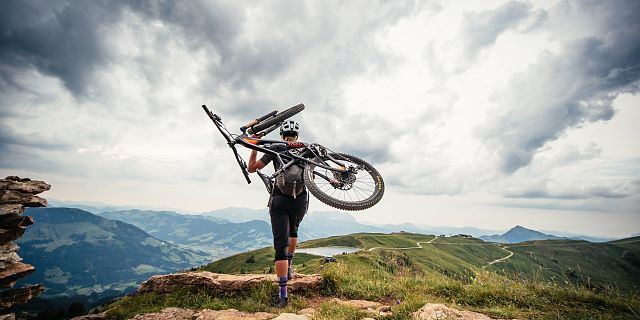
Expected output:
(263, 145)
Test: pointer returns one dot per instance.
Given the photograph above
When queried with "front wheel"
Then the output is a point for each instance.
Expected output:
(358, 188)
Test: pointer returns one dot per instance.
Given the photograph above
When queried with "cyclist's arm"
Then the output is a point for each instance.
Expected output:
(253, 163)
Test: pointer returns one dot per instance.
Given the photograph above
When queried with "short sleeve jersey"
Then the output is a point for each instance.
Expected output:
(266, 158)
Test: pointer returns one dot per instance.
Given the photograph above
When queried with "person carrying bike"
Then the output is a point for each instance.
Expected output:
(287, 206)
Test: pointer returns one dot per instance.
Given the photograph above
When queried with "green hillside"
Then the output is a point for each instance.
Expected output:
(415, 269)
(262, 262)
(454, 256)
(75, 252)
(600, 265)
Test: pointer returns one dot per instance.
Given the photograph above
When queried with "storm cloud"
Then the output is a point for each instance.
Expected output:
(568, 89)
(468, 100)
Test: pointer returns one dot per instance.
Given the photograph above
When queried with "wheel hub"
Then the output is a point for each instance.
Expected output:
(344, 180)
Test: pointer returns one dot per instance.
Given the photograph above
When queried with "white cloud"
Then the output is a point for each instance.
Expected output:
(465, 107)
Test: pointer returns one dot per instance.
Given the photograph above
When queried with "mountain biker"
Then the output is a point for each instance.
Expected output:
(286, 213)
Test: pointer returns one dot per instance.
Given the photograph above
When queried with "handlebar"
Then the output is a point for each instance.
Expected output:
(256, 121)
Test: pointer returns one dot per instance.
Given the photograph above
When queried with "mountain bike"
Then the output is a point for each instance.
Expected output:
(337, 179)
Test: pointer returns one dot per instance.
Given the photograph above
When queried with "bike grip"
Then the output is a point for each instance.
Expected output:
(253, 122)
(257, 120)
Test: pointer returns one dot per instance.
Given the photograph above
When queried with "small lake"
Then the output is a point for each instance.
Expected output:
(327, 251)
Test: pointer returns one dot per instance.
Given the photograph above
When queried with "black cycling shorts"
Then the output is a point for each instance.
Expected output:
(286, 214)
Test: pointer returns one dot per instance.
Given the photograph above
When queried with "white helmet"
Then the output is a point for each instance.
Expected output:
(289, 127)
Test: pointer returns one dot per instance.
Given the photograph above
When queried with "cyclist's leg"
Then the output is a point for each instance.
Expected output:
(279, 227)
(297, 212)
(298, 209)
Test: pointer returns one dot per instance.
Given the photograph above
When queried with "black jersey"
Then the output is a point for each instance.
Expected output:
(266, 158)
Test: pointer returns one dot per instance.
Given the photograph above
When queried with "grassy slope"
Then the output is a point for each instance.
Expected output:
(579, 262)
(447, 271)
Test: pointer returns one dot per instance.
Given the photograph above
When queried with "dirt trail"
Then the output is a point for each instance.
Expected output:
(419, 246)
(505, 248)
(500, 259)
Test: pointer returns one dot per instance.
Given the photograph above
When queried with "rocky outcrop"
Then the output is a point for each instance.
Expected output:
(207, 314)
(16, 194)
(222, 283)
(372, 308)
(433, 311)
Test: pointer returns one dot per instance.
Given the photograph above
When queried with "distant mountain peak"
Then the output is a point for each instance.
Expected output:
(519, 234)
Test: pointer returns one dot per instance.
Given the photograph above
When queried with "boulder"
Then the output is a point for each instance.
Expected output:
(97, 316)
(206, 314)
(12, 272)
(168, 314)
(433, 311)
(222, 283)
(307, 312)
(231, 314)
(291, 316)
(13, 297)
(12, 221)
(8, 254)
(11, 208)
(358, 304)
(16, 194)
(7, 235)
(23, 184)
(25, 199)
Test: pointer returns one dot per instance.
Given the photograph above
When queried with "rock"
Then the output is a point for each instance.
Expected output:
(358, 304)
(231, 314)
(10, 316)
(207, 314)
(13, 272)
(7, 235)
(307, 312)
(25, 199)
(8, 254)
(291, 316)
(367, 319)
(15, 194)
(168, 314)
(433, 311)
(11, 209)
(221, 283)
(12, 221)
(97, 316)
(25, 185)
(384, 311)
(16, 178)
(12, 297)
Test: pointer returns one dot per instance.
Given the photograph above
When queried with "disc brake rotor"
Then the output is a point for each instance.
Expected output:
(344, 180)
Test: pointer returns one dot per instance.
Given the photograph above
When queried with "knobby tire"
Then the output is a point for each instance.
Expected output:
(284, 115)
(344, 204)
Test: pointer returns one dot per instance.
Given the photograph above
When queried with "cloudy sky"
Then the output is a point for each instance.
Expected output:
(477, 113)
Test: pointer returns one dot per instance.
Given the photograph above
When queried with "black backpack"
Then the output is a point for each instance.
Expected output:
(290, 181)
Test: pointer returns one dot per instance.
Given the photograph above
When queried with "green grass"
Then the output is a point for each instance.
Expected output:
(263, 262)
(254, 300)
(601, 266)
(486, 292)
(447, 271)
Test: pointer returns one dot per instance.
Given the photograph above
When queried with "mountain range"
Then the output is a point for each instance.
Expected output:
(325, 223)
(218, 237)
(75, 252)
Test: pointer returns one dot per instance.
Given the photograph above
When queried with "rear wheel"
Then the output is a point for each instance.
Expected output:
(359, 188)
(284, 115)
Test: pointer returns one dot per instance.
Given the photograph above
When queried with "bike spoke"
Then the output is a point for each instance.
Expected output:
(362, 188)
